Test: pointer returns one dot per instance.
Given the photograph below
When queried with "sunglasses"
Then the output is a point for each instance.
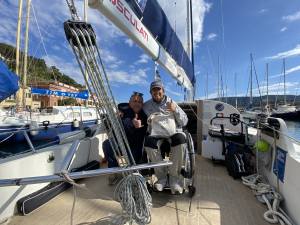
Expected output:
(137, 93)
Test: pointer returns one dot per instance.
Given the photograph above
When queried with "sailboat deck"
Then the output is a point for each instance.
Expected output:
(219, 200)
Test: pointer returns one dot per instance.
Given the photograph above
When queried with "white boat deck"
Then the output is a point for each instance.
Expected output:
(219, 200)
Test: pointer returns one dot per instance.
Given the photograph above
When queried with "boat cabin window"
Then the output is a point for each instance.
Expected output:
(87, 114)
(74, 114)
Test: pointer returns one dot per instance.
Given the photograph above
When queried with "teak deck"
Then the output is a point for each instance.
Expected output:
(219, 200)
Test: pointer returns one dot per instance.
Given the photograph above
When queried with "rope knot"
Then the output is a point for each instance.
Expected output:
(64, 174)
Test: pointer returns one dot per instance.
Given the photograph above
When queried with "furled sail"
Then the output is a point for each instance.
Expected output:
(8, 82)
(83, 95)
(155, 20)
(147, 25)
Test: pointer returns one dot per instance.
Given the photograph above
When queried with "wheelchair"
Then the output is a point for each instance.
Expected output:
(187, 170)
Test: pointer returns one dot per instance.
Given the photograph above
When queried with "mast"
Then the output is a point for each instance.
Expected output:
(26, 54)
(251, 81)
(235, 93)
(18, 46)
(207, 85)
(189, 39)
(268, 90)
(226, 93)
(86, 74)
(284, 80)
(218, 76)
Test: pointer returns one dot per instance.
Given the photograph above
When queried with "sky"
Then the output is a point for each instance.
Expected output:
(232, 30)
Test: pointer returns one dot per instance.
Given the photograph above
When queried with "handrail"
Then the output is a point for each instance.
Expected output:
(77, 175)
(67, 160)
(26, 135)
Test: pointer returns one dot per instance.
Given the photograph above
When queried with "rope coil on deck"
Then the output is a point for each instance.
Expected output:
(260, 186)
(133, 195)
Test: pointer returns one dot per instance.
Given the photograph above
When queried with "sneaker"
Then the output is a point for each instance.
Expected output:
(175, 186)
(161, 183)
(112, 179)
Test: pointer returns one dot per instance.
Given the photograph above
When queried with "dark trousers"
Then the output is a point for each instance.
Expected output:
(136, 152)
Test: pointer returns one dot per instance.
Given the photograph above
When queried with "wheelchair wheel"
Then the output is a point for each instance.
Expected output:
(189, 172)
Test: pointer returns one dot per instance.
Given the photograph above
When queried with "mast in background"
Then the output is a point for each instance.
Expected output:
(18, 47)
(284, 81)
(86, 74)
(218, 76)
(190, 42)
(26, 54)
(251, 81)
(235, 93)
(207, 85)
(268, 90)
(226, 93)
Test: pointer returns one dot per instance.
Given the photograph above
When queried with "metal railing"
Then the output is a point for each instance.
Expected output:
(77, 175)
(26, 135)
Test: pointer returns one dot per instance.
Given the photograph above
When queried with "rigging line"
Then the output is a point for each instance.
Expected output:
(223, 40)
(278, 85)
(42, 41)
(211, 62)
(45, 32)
(207, 46)
(264, 82)
(296, 94)
(257, 81)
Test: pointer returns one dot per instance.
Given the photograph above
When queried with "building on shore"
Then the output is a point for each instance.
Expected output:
(33, 101)
(17, 99)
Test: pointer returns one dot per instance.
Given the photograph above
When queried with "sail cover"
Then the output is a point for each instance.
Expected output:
(83, 95)
(8, 82)
(155, 20)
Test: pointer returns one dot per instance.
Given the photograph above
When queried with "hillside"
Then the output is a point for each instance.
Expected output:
(37, 69)
(245, 101)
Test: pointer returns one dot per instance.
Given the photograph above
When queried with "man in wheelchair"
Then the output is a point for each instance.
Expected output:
(162, 103)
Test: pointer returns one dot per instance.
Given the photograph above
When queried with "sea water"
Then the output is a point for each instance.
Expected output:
(293, 128)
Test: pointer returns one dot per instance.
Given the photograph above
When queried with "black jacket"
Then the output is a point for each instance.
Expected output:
(135, 136)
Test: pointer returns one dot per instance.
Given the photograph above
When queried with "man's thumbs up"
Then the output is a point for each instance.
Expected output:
(171, 107)
(137, 123)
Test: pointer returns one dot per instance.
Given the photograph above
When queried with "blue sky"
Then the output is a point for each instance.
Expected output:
(267, 29)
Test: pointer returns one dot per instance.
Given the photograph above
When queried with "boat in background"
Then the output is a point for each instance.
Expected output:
(63, 118)
(285, 111)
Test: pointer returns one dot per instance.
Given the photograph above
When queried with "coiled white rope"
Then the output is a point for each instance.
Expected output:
(260, 186)
(133, 195)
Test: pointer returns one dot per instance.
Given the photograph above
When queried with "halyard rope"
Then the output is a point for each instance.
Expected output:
(131, 192)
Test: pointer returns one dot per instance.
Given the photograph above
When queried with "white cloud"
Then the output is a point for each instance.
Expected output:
(137, 77)
(129, 42)
(288, 71)
(168, 90)
(69, 68)
(293, 52)
(211, 37)
(200, 8)
(144, 59)
(263, 11)
(283, 29)
(293, 17)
